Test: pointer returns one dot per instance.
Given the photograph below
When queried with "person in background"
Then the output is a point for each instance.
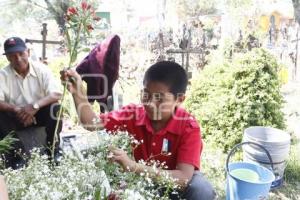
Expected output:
(170, 134)
(29, 97)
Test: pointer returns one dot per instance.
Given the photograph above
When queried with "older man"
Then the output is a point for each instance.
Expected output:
(28, 94)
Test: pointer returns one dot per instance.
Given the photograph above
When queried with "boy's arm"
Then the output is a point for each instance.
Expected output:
(87, 116)
(182, 174)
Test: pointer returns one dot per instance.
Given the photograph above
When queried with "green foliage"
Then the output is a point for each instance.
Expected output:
(238, 3)
(191, 8)
(292, 171)
(58, 64)
(6, 143)
(227, 97)
(215, 172)
(80, 21)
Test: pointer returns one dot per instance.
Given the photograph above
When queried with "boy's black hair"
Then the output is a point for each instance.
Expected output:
(169, 73)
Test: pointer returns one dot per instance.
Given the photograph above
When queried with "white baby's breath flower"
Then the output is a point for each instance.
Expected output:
(80, 178)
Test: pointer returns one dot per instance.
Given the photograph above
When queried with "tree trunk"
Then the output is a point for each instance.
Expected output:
(296, 4)
(58, 12)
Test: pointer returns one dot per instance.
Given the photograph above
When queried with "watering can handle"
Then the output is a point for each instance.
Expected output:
(243, 143)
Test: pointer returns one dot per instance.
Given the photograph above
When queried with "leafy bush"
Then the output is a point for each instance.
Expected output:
(227, 97)
(6, 143)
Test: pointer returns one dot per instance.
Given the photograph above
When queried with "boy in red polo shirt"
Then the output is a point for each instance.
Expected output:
(170, 135)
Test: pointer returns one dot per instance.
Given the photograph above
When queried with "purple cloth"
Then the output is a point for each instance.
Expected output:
(104, 59)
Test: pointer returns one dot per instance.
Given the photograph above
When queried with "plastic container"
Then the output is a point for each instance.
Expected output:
(276, 141)
(247, 180)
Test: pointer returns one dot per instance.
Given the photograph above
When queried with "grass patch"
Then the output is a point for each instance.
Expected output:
(292, 171)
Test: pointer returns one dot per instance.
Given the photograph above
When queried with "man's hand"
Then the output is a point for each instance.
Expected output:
(16, 109)
(30, 110)
(26, 115)
(121, 157)
(25, 118)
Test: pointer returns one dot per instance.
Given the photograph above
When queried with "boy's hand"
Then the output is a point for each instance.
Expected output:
(72, 79)
(121, 157)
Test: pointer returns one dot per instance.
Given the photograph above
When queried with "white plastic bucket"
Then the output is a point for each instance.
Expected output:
(276, 141)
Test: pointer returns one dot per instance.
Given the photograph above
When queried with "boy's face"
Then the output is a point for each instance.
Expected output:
(158, 101)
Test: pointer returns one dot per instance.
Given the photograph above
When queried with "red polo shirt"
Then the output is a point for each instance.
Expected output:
(179, 142)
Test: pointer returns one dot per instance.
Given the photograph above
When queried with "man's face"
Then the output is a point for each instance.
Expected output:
(18, 60)
(158, 101)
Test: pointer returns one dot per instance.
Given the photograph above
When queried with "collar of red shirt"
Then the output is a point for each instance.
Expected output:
(172, 126)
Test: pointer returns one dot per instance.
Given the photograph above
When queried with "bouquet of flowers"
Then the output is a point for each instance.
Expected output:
(80, 21)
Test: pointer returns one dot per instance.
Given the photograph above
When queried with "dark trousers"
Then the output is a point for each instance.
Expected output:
(46, 116)
(199, 188)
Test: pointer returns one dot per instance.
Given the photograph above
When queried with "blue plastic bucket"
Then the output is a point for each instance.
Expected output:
(247, 180)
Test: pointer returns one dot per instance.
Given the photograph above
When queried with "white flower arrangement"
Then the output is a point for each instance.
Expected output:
(85, 177)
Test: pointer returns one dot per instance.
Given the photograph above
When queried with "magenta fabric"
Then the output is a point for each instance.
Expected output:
(104, 59)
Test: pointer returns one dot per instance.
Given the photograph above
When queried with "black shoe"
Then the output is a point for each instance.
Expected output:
(58, 155)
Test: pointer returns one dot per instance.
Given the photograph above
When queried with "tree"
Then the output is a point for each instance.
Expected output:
(35, 10)
(55, 9)
(191, 8)
(296, 4)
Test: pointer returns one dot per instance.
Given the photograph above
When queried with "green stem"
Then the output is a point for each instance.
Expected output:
(55, 139)
(60, 112)
(74, 50)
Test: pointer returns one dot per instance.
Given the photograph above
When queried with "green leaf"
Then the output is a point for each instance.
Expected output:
(242, 92)
(7, 142)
